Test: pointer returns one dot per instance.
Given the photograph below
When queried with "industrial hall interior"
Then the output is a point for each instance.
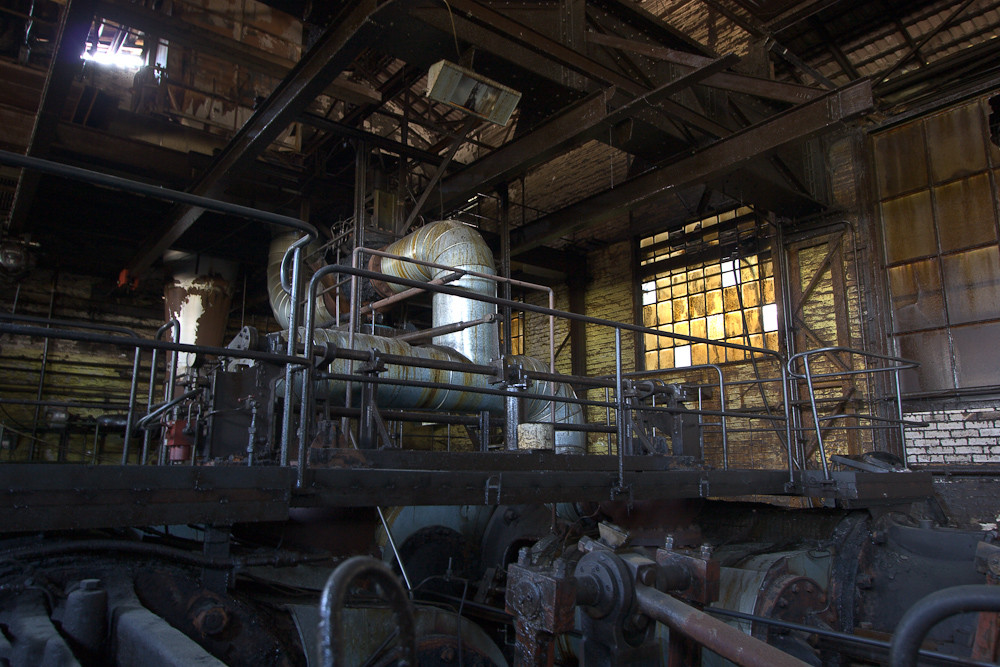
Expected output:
(528, 333)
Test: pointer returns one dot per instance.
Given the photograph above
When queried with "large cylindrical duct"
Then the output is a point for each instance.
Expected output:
(281, 301)
(399, 396)
(449, 243)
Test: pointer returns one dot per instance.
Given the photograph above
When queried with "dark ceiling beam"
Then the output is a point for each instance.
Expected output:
(586, 120)
(203, 40)
(337, 129)
(966, 65)
(831, 45)
(799, 12)
(522, 39)
(885, 74)
(757, 29)
(553, 137)
(907, 37)
(706, 164)
(336, 49)
(71, 41)
(634, 15)
(731, 81)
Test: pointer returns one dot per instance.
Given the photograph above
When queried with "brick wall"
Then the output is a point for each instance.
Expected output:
(608, 295)
(955, 434)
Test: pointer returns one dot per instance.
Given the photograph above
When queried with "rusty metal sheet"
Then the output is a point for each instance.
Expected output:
(900, 160)
(916, 295)
(977, 354)
(956, 141)
(972, 285)
(964, 212)
(931, 350)
(909, 227)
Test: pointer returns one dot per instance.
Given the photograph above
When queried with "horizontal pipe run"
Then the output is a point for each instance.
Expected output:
(147, 344)
(63, 404)
(714, 413)
(421, 336)
(48, 321)
(837, 636)
(903, 364)
(148, 550)
(414, 416)
(887, 420)
(458, 420)
(402, 360)
(155, 191)
(406, 294)
(542, 310)
(593, 383)
(713, 634)
(344, 377)
(464, 272)
(863, 371)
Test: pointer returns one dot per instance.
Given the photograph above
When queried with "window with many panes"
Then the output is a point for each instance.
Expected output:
(712, 279)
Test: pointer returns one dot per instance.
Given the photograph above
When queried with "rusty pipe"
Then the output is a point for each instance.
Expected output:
(710, 632)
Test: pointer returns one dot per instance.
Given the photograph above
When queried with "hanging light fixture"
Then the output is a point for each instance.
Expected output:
(461, 88)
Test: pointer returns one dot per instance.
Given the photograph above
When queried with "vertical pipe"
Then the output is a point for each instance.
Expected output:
(513, 418)
(504, 192)
(722, 408)
(293, 327)
(131, 406)
(41, 372)
(395, 551)
(147, 434)
(788, 421)
(171, 377)
(899, 414)
(607, 409)
(701, 430)
(815, 414)
(619, 416)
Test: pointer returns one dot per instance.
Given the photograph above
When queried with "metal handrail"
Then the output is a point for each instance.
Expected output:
(293, 254)
(619, 327)
(807, 375)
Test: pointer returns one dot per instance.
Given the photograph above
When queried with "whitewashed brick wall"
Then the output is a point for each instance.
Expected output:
(970, 434)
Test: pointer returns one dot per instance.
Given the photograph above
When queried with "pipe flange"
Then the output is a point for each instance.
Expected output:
(614, 592)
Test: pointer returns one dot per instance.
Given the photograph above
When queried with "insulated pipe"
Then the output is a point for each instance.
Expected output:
(449, 243)
(279, 297)
(398, 396)
(921, 617)
(453, 245)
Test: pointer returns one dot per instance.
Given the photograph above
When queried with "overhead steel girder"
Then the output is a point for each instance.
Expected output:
(338, 47)
(519, 44)
(782, 91)
(589, 119)
(70, 43)
(706, 164)
(203, 40)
